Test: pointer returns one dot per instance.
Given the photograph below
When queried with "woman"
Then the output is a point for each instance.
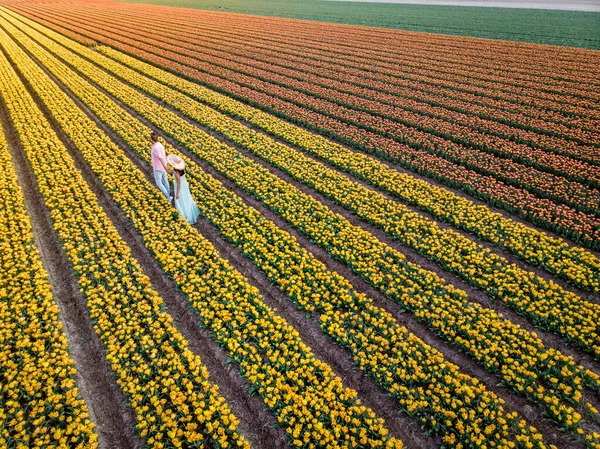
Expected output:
(183, 198)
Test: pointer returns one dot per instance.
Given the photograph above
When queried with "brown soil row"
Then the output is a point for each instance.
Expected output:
(113, 419)
(532, 412)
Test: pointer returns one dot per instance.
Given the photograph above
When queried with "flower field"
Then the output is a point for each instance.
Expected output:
(398, 243)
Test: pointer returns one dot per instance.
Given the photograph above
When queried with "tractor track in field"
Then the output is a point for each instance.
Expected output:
(114, 420)
(532, 412)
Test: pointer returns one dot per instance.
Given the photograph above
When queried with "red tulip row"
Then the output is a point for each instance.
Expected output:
(444, 69)
(381, 98)
(325, 65)
(577, 112)
(562, 219)
(542, 184)
(481, 55)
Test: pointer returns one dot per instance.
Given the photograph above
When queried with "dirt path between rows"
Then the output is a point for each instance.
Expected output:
(113, 419)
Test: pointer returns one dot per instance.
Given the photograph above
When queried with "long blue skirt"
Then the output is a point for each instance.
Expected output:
(185, 204)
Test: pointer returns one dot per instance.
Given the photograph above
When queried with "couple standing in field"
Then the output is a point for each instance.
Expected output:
(183, 198)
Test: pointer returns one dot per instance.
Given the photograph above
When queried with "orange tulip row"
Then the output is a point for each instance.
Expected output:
(437, 137)
(560, 218)
(471, 66)
(528, 63)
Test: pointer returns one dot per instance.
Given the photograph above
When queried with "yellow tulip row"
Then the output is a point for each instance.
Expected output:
(447, 306)
(546, 304)
(301, 390)
(307, 281)
(40, 406)
(145, 351)
(220, 209)
(574, 264)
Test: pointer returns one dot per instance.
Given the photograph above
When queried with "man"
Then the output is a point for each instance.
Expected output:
(159, 164)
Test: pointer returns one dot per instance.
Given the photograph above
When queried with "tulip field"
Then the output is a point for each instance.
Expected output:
(398, 243)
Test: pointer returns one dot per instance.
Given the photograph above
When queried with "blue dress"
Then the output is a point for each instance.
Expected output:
(185, 204)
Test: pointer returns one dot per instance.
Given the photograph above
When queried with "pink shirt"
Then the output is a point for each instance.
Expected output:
(158, 154)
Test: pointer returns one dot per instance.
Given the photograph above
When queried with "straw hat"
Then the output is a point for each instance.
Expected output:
(175, 161)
